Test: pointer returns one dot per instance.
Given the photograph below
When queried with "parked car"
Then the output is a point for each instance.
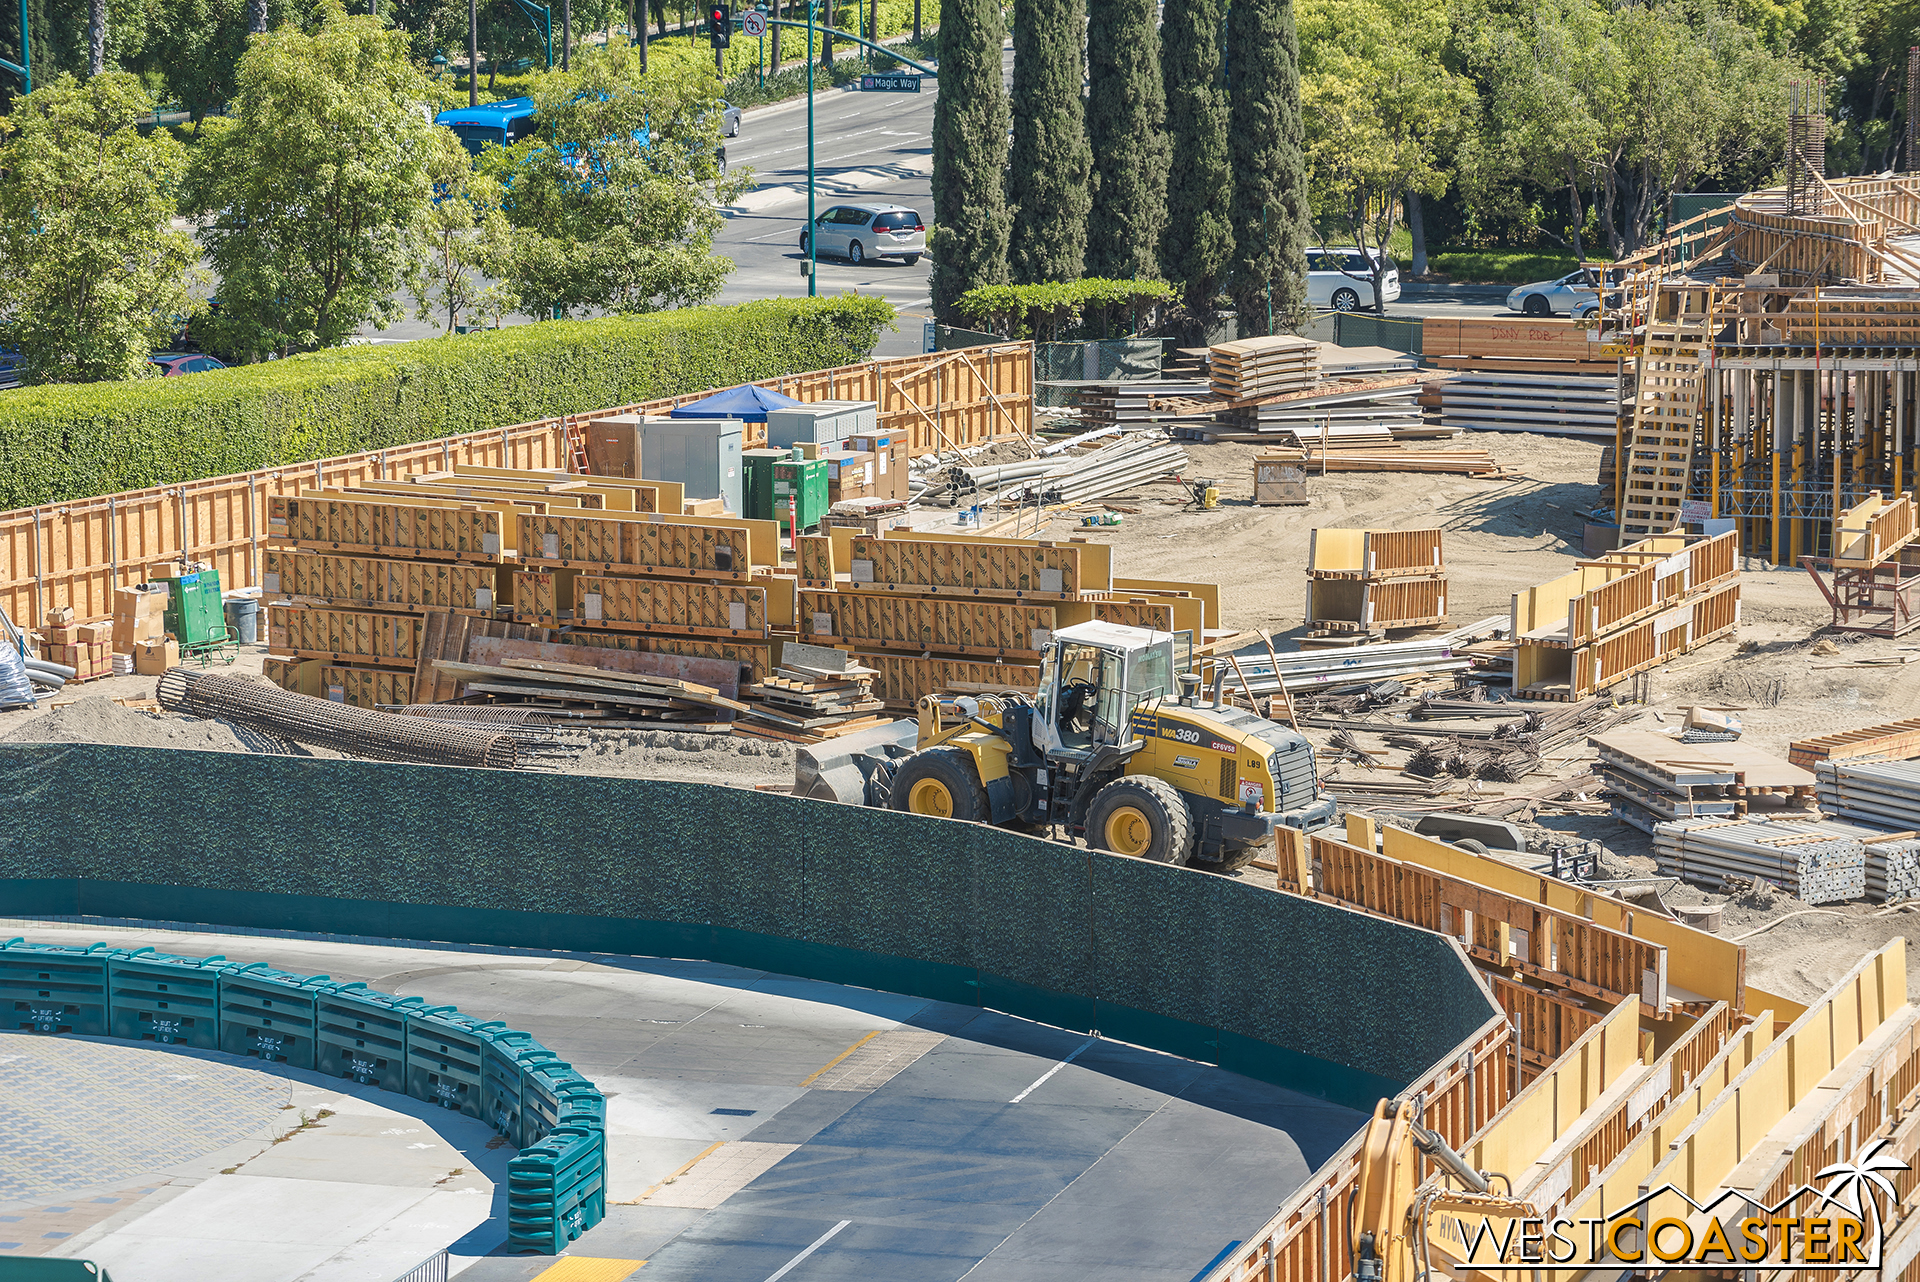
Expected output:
(172, 363)
(1342, 278)
(729, 120)
(859, 232)
(1555, 297)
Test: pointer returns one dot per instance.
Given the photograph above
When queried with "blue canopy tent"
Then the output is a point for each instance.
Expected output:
(749, 404)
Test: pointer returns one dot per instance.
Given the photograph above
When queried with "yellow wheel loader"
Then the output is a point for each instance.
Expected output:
(1117, 747)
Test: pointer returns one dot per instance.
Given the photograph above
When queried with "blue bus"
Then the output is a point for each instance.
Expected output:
(501, 123)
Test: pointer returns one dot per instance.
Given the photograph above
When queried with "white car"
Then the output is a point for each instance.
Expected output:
(1342, 279)
(1563, 297)
(859, 232)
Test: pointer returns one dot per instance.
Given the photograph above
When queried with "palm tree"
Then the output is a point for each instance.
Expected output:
(1864, 1173)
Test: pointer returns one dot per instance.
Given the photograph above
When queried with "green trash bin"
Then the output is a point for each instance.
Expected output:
(196, 614)
(757, 493)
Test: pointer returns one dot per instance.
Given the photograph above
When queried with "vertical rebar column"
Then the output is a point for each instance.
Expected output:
(1913, 116)
(1806, 146)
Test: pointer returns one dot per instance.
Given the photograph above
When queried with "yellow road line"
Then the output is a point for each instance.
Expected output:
(842, 1055)
(697, 1158)
(585, 1268)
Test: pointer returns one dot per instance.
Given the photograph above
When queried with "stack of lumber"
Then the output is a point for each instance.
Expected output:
(1391, 458)
(1263, 366)
(815, 694)
(1366, 412)
(622, 697)
(1363, 583)
(1624, 613)
(1893, 740)
(1655, 779)
(1185, 362)
(1364, 362)
(1140, 403)
(1817, 861)
(1550, 404)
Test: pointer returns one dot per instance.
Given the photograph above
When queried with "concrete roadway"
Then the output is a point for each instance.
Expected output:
(762, 1126)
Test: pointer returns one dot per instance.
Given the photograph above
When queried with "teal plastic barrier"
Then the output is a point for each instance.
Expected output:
(556, 1187)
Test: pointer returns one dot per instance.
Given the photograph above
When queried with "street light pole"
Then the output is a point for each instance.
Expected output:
(813, 229)
(473, 52)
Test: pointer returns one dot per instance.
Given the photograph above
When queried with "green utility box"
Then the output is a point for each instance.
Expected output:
(804, 481)
(195, 613)
(757, 493)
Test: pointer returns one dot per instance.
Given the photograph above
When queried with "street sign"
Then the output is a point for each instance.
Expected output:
(891, 84)
(753, 23)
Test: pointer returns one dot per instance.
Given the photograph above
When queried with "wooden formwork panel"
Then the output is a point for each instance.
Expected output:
(1653, 641)
(334, 579)
(1660, 578)
(660, 605)
(1366, 605)
(1354, 554)
(366, 687)
(1047, 571)
(960, 627)
(543, 597)
(903, 680)
(1159, 616)
(1555, 948)
(338, 523)
(637, 546)
(1547, 1023)
(1871, 531)
(315, 633)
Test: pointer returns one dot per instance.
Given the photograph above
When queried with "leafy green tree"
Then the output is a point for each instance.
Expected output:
(1198, 238)
(92, 276)
(468, 242)
(1127, 135)
(192, 47)
(970, 220)
(1619, 108)
(1379, 108)
(615, 194)
(317, 185)
(1049, 164)
(1267, 274)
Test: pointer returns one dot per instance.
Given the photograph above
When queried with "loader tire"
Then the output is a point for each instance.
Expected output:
(1143, 818)
(941, 782)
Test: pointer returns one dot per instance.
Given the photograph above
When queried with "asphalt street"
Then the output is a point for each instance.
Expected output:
(761, 1126)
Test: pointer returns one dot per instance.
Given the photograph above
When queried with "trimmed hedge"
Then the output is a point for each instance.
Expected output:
(78, 440)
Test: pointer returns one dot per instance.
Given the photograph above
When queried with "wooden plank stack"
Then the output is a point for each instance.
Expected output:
(1140, 402)
(1623, 613)
(1263, 366)
(1656, 779)
(816, 693)
(1362, 583)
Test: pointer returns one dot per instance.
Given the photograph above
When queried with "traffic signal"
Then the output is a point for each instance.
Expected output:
(720, 25)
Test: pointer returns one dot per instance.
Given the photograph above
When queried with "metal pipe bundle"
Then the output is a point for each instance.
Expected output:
(1814, 860)
(1886, 793)
(1362, 664)
(359, 732)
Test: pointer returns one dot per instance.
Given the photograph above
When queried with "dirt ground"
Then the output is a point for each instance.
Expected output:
(1786, 675)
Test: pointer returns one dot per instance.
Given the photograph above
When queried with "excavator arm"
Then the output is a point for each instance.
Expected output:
(1392, 1202)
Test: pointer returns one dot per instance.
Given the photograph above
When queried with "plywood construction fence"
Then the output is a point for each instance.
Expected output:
(74, 554)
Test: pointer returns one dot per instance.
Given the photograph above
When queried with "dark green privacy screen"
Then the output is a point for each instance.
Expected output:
(1279, 988)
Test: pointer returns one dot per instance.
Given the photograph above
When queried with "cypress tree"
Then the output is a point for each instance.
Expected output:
(1048, 170)
(1126, 132)
(1198, 239)
(969, 154)
(1268, 209)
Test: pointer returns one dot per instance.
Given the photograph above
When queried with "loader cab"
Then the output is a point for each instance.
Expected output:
(1092, 676)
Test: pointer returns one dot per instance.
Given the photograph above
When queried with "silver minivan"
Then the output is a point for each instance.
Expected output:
(859, 232)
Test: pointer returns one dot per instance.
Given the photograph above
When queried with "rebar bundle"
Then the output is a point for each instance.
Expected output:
(358, 732)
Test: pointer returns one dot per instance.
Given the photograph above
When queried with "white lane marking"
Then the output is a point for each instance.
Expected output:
(1056, 1068)
(817, 1244)
(915, 303)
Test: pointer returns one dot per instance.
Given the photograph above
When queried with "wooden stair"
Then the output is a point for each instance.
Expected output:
(1658, 450)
